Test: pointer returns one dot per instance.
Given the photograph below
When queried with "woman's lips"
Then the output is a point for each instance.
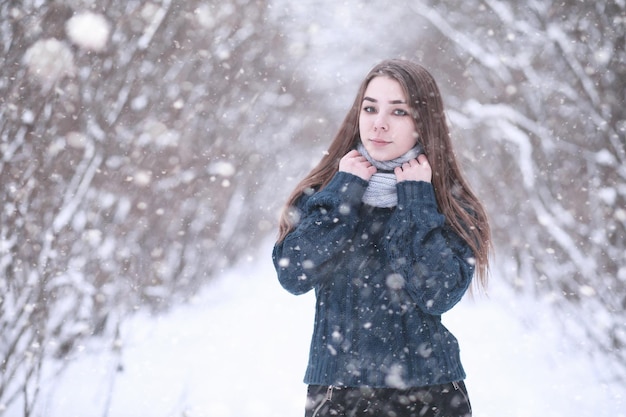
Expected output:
(379, 142)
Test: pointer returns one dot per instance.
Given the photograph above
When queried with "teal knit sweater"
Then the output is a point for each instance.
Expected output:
(382, 278)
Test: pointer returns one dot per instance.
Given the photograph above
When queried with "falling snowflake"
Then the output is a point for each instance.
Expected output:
(222, 168)
(48, 61)
(89, 31)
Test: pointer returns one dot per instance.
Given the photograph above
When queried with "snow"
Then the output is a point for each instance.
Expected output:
(48, 61)
(240, 348)
(88, 30)
(223, 168)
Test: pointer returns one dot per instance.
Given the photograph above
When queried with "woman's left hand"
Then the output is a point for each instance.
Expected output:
(415, 170)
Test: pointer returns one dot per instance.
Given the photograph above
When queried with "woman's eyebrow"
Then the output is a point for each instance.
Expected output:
(373, 100)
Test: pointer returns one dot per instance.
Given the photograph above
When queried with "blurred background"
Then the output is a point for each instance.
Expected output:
(147, 146)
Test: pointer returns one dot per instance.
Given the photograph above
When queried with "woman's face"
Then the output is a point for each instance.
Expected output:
(385, 124)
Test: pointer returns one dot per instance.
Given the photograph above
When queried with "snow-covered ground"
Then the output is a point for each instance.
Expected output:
(240, 348)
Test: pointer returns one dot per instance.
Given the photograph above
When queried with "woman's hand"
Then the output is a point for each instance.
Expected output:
(415, 170)
(355, 163)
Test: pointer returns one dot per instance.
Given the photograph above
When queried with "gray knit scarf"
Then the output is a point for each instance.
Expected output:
(381, 190)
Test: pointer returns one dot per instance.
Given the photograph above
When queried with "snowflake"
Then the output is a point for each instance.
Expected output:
(89, 31)
(48, 61)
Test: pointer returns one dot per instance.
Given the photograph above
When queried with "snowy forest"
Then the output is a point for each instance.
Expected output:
(146, 146)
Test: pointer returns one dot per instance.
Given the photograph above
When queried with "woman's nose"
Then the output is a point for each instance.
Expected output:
(380, 123)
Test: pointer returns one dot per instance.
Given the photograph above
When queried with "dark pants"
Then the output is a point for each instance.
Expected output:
(447, 400)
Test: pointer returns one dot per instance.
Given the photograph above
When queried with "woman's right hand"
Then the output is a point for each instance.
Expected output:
(355, 163)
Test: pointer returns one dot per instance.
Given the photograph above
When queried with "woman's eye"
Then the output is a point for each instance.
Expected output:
(400, 112)
(369, 109)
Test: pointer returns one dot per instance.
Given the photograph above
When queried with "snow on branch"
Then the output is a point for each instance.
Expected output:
(75, 193)
(586, 265)
(507, 122)
(157, 19)
(466, 43)
(555, 33)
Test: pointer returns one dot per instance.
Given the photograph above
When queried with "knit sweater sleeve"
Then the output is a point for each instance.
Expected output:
(436, 265)
(328, 218)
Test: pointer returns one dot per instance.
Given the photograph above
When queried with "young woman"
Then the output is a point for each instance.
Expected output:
(388, 233)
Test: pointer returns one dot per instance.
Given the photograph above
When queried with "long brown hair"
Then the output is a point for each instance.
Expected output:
(457, 202)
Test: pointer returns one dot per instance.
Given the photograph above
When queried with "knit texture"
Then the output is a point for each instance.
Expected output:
(382, 278)
(381, 190)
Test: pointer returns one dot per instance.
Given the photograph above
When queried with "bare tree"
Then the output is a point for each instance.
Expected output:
(130, 164)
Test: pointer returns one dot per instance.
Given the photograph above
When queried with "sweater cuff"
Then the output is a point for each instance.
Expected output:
(420, 192)
(349, 187)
